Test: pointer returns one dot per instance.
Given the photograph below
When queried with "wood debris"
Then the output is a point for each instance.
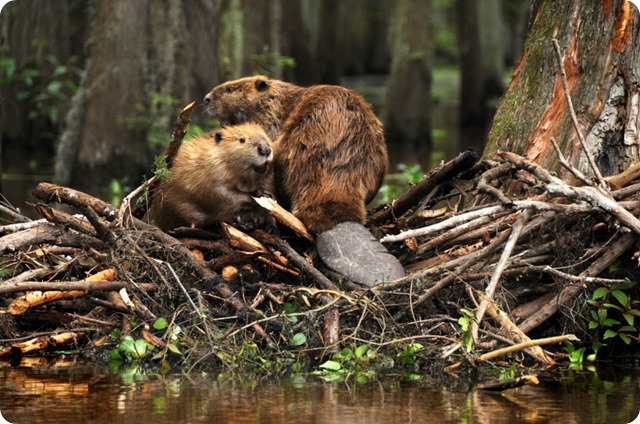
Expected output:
(518, 247)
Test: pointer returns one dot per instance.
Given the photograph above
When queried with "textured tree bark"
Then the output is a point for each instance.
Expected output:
(600, 42)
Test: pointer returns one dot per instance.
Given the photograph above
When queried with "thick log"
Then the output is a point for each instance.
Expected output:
(46, 233)
(54, 193)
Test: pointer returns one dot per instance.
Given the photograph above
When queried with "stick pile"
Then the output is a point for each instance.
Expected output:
(502, 242)
(503, 238)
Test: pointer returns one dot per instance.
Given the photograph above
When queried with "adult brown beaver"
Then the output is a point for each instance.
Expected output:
(330, 160)
(214, 177)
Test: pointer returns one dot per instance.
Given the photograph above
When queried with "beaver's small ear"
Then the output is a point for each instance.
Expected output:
(218, 137)
(261, 85)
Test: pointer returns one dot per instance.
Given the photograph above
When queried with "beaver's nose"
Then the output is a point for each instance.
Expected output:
(264, 149)
(207, 98)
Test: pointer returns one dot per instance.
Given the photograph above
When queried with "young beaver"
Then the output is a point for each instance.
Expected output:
(330, 160)
(213, 178)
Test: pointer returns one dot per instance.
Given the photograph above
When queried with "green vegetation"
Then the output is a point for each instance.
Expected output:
(42, 82)
(464, 323)
(268, 62)
(399, 182)
(613, 316)
(349, 363)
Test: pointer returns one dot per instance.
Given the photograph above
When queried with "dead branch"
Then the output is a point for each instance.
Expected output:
(495, 278)
(444, 172)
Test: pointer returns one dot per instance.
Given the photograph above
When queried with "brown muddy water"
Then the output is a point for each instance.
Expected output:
(65, 391)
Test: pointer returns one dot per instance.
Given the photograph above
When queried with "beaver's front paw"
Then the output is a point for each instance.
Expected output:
(252, 220)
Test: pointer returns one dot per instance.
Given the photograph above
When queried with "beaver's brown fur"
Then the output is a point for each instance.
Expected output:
(213, 178)
(330, 156)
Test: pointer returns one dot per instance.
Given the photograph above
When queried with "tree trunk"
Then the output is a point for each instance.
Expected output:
(408, 102)
(482, 55)
(600, 42)
(125, 108)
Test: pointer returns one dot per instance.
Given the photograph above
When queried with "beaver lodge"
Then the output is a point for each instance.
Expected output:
(505, 263)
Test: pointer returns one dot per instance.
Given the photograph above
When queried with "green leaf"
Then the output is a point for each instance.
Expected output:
(345, 353)
(54, 87)
(609, 334)
(126, 345)
(298, 339)
(599, 293)
(361, 350)
(612, 306)
(610, 322)
(362, 379)
(602, 315)
(594, 315)
(141, 347)
(593, 325)
(464, 323)
(467, 341)
(576, 357)
(412, 376)
(115, 355)
(621, 297)
(160, 324)
(173, 348)
(629, 318)
(330, 365)
(625, 338)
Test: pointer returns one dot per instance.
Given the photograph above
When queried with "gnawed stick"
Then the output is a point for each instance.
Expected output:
(66, 220)
(56, 193)
(40, 343)
(595, 196)
(46, 233)
(37, 298)
(528, 344)
(495, 278)
(71, 287)
(511, 330)
(245, 242)
(178, 134)
(297, 259)
(283, 216)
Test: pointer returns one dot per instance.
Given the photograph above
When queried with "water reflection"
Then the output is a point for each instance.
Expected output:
(70, 392)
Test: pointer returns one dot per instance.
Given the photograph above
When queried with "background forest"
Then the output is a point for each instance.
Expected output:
(89, 89)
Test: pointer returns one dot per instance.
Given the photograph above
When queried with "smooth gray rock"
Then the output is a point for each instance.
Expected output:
(350, 249)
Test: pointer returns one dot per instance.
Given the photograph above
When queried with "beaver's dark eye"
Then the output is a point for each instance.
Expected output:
(229, 89)
(242, 140)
